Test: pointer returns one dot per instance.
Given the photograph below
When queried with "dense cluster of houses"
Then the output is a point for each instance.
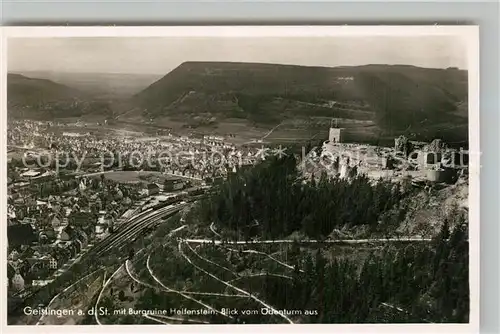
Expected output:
(188, 156)
(29, 134)
(52, 218)
(37, 252)
(45, 233)
(207, 158)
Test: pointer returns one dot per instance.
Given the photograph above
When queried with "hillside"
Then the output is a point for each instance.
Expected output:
(44, 99)
(374, 103)
(22, 90)
(102, 85)
(393, 98)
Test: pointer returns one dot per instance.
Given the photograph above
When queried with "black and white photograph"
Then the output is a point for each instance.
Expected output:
(241, 176)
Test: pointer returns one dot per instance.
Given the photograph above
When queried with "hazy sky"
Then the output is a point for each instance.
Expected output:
(159, 55)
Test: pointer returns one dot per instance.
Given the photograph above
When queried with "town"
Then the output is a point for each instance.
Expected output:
(57, 210)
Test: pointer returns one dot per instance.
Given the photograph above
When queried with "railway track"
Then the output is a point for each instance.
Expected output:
(134, 227)
(130, 230)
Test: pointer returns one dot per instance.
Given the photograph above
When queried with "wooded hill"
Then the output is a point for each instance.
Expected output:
(398, 98)
(33, 98)
(389, 100)
(417, 283)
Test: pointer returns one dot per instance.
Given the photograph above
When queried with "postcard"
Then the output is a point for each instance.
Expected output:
(235, 176)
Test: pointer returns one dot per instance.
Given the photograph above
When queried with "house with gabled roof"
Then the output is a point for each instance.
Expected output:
(55, 222)
(17, 282)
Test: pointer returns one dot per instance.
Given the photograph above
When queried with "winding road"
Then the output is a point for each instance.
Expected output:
(288, 241)
(232, 286)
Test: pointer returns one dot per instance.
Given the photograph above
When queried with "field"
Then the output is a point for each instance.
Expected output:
(135, 177)
(299, 130)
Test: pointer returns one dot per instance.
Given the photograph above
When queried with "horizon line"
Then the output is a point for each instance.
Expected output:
(239, 62)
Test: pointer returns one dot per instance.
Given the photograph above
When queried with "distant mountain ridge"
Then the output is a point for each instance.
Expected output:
(44, 99)
(101, 85)
(381, 100)
(28, 91)
(395, 97)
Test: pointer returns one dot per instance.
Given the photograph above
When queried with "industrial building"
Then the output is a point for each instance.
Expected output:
(150, 189)
(172, 184)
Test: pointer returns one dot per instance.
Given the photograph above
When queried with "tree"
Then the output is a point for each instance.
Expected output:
(131, 254)
(121, 295)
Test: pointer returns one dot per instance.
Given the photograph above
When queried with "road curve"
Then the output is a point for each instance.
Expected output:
(96, 313)
(232, 286)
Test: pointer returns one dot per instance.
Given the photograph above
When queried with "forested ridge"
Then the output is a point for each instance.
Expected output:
(425, 282)
(416, 284)
(270, 200)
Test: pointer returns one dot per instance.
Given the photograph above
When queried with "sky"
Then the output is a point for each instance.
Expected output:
(160, 55)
